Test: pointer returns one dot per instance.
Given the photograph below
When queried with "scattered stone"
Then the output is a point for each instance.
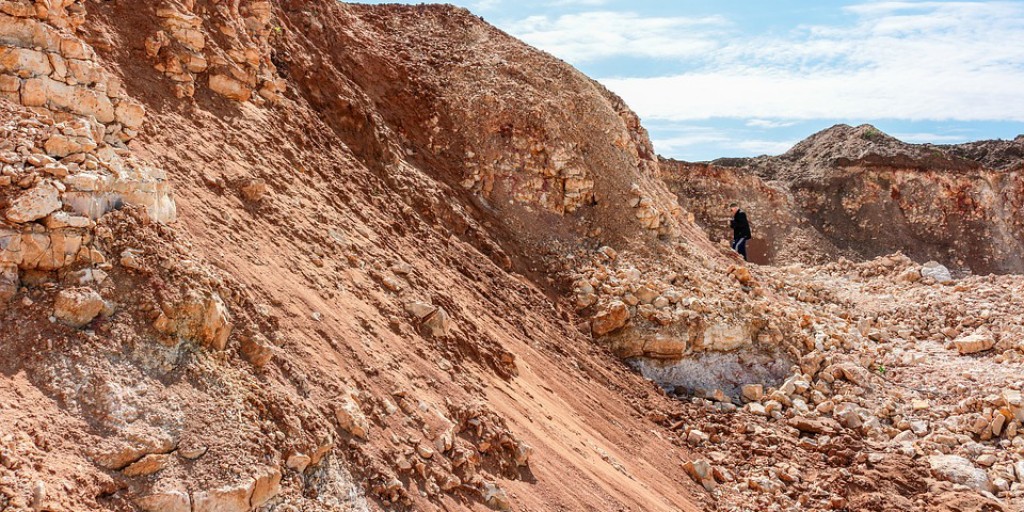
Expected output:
(974, 343)
(611, 318)
(702, 473)
(936, 271)
(147, 465)
(495, 497)
(959, 470)
(202, 319)
(810, 425)
(752, 392)
(257, 349)
(132, 259)
(77, 307)
(192, 453)
(298, 462)
(255, 190)
(351, 417)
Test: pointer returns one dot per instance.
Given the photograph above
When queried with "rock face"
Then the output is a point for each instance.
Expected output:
(856, 192)
(171, 501)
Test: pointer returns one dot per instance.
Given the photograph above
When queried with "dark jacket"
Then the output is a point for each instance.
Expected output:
(740, 226)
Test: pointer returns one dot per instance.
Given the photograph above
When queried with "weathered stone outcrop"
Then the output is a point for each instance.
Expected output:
(202, 319)
(240, 70)
(858, 193)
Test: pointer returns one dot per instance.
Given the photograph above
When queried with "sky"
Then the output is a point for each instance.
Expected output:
(734, 78)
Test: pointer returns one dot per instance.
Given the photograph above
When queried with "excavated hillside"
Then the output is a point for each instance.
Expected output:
(306, 255)
(856, 192)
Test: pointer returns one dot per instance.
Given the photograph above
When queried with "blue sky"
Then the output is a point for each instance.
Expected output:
(746, 77)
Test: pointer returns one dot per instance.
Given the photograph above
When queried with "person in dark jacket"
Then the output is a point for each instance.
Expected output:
(740, 230)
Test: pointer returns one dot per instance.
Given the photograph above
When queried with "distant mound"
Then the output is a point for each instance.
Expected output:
(860, 193)
(865, 145)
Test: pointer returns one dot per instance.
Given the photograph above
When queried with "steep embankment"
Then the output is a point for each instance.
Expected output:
(859, 193)
(339, 316)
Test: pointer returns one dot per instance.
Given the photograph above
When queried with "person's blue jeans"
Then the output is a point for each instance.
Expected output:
(740, 245)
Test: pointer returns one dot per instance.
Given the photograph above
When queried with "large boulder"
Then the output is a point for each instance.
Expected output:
(936, 271)
(201, 319)
(77, 307)
(974, 343)
(611, 318)
(960, 471)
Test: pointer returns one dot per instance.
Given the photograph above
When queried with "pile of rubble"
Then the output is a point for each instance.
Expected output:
(57, 179)
(927, 373)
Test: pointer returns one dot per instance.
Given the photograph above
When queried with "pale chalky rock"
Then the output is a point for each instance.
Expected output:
(8, 282)
(726, 337)
(936, 271)
(495, 497)
(77, 307)
(201, 319)
(230, 88)
(147, 465)
(351, 417)
(233, 498)
(960, 470)
(34, 204)
(611, 318)
(974, 343)
(167, 501)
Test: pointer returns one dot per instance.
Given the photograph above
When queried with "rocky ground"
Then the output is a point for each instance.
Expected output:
(917, 410)
(283, 256)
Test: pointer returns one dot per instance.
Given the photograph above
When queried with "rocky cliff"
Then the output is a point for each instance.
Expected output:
(309, 255)
(305, 255)
(859, 193)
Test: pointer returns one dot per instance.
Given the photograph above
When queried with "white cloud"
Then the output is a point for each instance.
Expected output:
(686, 141)
(880, 93)
(768, 123)
(892, 60)
(598, 35)
(564, 3)
(485, 5)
